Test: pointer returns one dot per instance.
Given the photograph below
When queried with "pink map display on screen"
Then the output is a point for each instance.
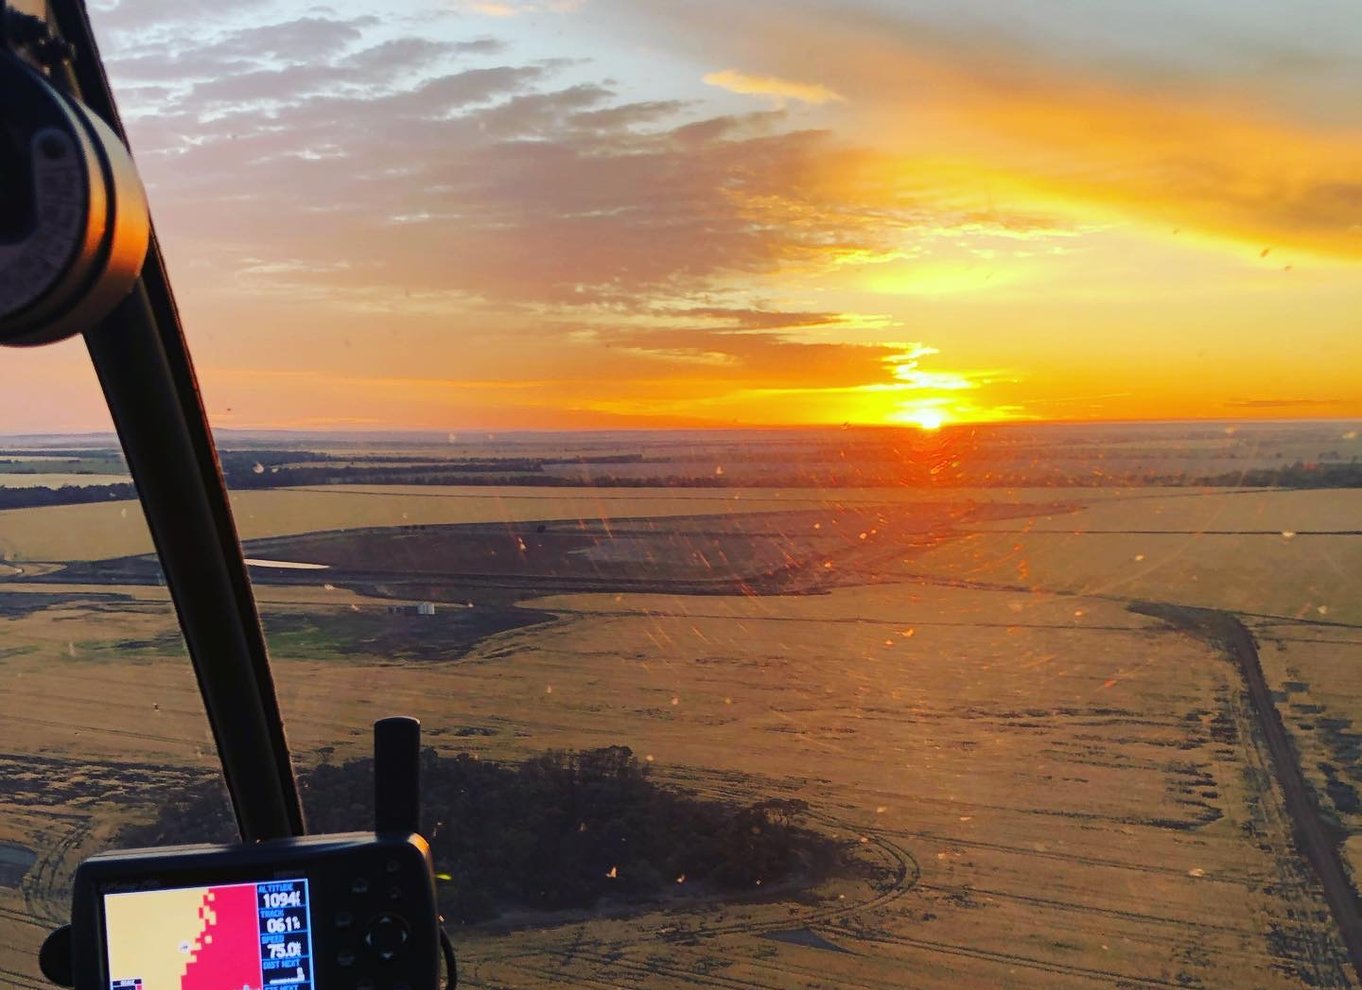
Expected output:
(229, 952)
(243, 936)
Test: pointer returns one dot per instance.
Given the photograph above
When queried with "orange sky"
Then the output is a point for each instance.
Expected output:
(601, 214)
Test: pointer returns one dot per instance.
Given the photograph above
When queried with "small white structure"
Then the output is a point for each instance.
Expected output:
(420, 608)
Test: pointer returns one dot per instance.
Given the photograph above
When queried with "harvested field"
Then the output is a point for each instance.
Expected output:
(99, 531)
(102, 530)
(1033, 794)
(1294, 554)
(1055, 791)
(1217, 510)
(758, 551)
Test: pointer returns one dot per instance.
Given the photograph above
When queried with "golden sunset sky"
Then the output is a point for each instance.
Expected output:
(615, 213)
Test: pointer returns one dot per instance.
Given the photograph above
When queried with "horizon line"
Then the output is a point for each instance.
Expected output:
(724, 428)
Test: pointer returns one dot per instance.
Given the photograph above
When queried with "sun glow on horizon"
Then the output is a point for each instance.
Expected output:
(924, 419)
(928, 411)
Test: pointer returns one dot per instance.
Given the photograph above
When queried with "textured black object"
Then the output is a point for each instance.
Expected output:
(54, 958)
(397, 775)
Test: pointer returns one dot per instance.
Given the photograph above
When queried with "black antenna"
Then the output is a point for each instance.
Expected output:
(397, 775)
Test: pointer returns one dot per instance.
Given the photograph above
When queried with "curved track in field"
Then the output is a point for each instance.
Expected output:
(898, 875)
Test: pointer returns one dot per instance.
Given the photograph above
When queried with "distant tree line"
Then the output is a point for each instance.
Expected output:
(70, 454)
(254, 469)
(416, 459)
(561, 830)
(1296, 475)
(532, 476)
(28, 498)
(344, 474)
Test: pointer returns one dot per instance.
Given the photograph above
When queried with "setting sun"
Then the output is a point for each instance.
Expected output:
(924, 417)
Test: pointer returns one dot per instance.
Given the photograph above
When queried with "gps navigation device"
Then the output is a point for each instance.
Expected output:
(354, 910)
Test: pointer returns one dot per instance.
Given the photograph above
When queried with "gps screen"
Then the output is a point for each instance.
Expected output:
(247, 936)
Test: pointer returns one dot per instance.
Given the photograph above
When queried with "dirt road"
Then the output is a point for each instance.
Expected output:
(1312, 834)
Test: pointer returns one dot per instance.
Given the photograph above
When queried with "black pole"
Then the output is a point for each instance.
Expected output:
(143, 364)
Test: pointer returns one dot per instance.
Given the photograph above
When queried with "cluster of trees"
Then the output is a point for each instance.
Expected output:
(561, 830)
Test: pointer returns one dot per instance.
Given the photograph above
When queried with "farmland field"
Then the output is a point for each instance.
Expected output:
(100, 530)
(1047, 775)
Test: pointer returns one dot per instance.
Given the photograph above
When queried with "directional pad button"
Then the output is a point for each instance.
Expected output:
(386, 936)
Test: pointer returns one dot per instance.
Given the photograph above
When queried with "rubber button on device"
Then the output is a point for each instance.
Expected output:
(386, 936)
(344, 919)
(393, 866)
(364, 984)
(359, 886)
(345, 958)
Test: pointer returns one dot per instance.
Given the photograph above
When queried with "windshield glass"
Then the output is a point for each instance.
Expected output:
(100, 715)
(857, 494)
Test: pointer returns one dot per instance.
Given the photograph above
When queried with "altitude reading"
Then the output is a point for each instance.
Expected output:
(281, 899)
(249, 936)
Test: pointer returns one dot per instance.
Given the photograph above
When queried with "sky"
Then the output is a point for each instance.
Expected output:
(538, 214)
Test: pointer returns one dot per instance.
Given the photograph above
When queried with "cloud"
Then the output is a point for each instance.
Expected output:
(1279, 403)
(626, 115)
(408, 54)
(273, 64)
(132, 20)
(485, 180)
(516, 8)
(781, 89)
(321, 37)
(409, 196)
(755, 360)
(517, 219)
(762, 319)
(983, 108)
(906, 368)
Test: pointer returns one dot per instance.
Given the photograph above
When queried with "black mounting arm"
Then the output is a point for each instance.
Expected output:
(143, 365)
